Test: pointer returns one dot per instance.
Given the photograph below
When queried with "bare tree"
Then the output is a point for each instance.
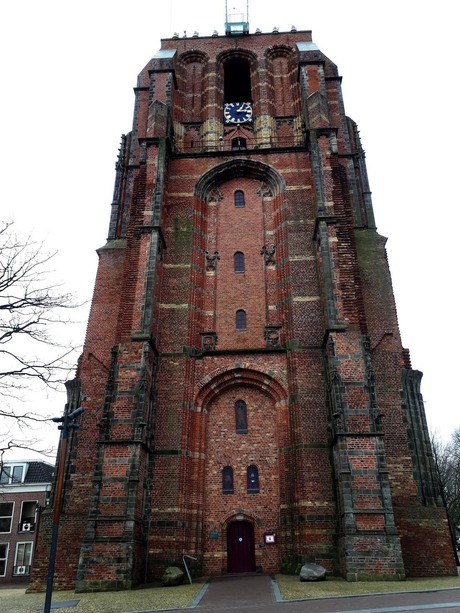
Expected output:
(447, 458)
(30, 309)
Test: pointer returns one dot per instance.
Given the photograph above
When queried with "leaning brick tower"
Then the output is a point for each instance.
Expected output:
(247, 398)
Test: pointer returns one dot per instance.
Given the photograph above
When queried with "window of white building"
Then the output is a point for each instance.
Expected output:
(6, 516)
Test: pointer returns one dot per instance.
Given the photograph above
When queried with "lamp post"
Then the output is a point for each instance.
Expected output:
(67, 423)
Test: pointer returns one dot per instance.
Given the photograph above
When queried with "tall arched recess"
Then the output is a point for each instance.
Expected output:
(264, 193)
(262, 444)
(251, 169)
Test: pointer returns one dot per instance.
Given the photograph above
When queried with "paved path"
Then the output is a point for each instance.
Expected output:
(258, 593)
(241, 593)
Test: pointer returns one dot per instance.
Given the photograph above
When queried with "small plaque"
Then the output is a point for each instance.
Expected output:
(270, 539)
(214, 535)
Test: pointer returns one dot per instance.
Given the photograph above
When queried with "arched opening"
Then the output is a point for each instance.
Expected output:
(241, 555)
(239, 199)
(238, 261)
(241, 417)
(253, 480)
(212, 180)
(239, 144)
(240, 320)
(237, 80)
(227, 480)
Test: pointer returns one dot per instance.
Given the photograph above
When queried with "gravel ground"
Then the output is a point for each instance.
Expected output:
(158, 598)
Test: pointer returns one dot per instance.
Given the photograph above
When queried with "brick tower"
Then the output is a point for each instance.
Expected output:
(247, 399)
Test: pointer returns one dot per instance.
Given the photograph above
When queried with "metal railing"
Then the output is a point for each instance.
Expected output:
(238, 145)
(186, 567)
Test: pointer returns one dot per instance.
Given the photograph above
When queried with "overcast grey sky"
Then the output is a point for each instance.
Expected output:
(68, 69)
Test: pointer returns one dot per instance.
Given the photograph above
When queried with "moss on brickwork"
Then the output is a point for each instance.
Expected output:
(289, 565)
(371, 259)
(183, 233)
(377, 292)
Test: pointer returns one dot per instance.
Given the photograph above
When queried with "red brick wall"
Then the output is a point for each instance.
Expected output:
(145, 468)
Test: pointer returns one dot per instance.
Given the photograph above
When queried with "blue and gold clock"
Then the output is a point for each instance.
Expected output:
(237, 112)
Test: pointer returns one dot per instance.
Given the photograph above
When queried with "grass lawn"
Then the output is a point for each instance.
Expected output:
(291, 587)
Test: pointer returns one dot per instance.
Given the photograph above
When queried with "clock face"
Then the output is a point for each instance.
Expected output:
(237, 112)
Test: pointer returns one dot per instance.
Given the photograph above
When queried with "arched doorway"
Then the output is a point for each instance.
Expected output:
(241, 556)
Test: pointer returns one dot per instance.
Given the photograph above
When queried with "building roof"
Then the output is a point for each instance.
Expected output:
(39, 472)
(35, 471)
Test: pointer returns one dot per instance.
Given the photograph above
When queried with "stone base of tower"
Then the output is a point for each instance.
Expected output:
(426, 541)
(70, 528)
(109, 566)
(374, 557)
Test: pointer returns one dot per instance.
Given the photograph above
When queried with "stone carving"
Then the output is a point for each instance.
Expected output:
(335, 390)
(211, 260)
(264, 190)
(272, 336)
(214, 196)
(119, 169)
(143, 152)
(208, 341)
(268, 254)
(377, 415)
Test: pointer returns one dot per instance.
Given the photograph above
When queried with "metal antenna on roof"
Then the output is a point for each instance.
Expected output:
(237, 22)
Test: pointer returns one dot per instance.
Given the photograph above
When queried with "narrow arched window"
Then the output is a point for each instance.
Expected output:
(238, 144)
(241, 417)
(239, 199)
(238, 261)
(240, 320)
(227, 480)
(253, 479)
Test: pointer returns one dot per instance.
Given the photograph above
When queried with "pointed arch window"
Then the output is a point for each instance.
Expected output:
(227, 480)
(241, 417)
(238, 261)
(239, 199)
(240, 319)
(253, 479)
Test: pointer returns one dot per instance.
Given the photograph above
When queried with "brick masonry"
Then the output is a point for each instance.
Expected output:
(333, 406)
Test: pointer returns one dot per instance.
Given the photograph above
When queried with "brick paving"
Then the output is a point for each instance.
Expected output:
(260, 593)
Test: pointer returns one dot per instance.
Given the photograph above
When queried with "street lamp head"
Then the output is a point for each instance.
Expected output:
(75, 413)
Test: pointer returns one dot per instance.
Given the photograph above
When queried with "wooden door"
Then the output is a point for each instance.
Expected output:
(241, 556)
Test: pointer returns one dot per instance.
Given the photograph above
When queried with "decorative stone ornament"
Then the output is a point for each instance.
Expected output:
(269, 254)
(208, 341)
(211, 260)
(272, 336)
